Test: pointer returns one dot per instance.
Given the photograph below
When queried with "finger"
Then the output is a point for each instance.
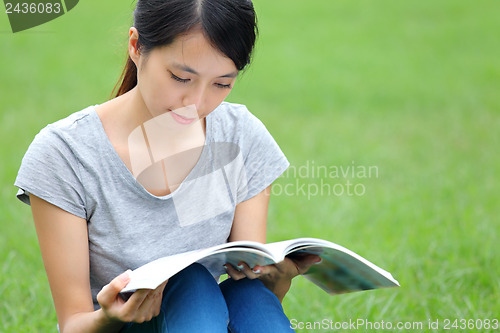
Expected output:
(133, 304)
(247, 271)
(233, 272)
(158, 298)
(265, 270)
(148, 308)
(162, 286)
(109, 292)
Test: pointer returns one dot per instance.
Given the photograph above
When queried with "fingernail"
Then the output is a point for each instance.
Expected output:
(256, 271)
(240, 267)
(319, 261)
(225, 267)
(125, 276)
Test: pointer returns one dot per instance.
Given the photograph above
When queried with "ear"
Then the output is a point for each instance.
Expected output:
(133, 49)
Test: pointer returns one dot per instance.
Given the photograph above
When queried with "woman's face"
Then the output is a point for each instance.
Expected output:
(187, 73)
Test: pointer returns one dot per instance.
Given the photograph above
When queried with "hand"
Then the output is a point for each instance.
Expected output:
(143, 305)
(277, 277)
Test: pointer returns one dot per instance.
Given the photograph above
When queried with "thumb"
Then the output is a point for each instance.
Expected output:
(108, 293)
(306, 262)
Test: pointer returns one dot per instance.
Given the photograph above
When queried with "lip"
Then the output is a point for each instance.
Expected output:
(180, 119)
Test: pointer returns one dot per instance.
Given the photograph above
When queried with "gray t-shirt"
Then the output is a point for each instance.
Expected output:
(73, 165)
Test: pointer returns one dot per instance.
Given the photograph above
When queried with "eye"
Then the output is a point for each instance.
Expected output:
(178, 79)
(223, 86)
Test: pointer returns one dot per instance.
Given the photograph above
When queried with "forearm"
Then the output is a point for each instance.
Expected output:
(90, 322)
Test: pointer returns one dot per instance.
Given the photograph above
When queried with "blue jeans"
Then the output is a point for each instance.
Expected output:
(194, 302)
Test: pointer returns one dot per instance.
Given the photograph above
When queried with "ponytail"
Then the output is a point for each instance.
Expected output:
(127, 80)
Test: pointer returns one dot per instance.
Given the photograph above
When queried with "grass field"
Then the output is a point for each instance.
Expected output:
(409, 88)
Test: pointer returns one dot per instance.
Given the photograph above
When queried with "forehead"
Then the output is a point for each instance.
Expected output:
(193, 50)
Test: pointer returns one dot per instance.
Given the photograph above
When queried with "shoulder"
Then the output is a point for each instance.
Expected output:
(77, 127)
(73, 123)
(235, 121)
(50, 168)
(65, 141)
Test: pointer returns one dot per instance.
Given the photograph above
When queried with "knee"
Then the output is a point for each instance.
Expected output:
(253, 288)
(196, 269)
(253, 291)
(194, 277)
(261, 311)
(193, 302)
(196, 273)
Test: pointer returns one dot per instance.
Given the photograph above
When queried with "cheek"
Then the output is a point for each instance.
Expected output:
(216, 97)
(159, 93)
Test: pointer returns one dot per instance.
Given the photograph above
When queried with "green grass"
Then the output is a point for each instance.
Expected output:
(409, 87)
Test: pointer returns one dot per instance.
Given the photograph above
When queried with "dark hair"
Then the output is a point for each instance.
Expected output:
(229, 25)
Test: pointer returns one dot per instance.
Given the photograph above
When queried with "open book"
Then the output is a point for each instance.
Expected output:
(340, 271)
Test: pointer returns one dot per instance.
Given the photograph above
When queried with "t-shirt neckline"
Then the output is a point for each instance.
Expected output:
(125, 172)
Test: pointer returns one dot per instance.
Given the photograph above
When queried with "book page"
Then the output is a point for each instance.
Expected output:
(154, 273)
(214, 262)
(280, 249)
(340, 271)
(343, 272)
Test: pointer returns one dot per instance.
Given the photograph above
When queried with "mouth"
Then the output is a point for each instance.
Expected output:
(181, 119)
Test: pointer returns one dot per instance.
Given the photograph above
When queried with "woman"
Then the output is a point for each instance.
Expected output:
(165, 167)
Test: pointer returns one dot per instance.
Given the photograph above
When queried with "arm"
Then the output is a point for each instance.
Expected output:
(64, 246)
(250, 221)
(250, 218)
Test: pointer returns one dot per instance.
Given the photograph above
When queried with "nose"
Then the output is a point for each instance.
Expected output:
(196, 97)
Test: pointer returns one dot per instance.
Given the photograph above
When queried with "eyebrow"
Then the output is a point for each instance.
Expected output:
(192, 71)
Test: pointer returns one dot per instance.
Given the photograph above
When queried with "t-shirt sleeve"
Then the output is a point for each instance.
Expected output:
(50, 171)
(263, 159)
